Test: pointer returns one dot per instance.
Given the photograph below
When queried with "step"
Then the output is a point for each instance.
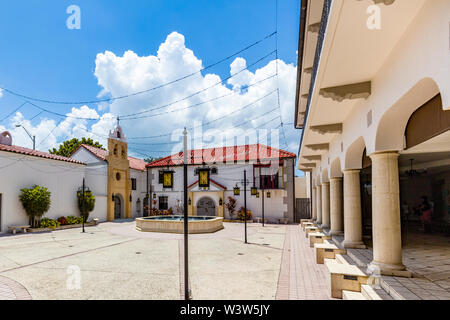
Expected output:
(351, 295)
(397, 291)
(340, 259)
(326, 250)
(307, 224)
(344, 277)
(317, 237)
(309, 230)
(369, 293)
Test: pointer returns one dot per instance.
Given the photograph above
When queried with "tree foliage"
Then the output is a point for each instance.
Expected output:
(36, 202)
(69, 146)
(151, 159)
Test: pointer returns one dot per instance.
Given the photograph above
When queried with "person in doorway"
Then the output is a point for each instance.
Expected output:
(405, 211)
(427, 213)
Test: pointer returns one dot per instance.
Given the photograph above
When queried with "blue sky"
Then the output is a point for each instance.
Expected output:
(41, 57)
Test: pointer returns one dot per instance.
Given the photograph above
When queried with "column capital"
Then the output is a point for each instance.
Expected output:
(326, 183)
(392, 153)
(350, 171)
(336, 179)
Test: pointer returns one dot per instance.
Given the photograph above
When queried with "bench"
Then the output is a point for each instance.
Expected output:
(310, 229)
(307, 224)
(283, 220)
(326, 250)
(20, 228)
(344, 277)
(317, 237)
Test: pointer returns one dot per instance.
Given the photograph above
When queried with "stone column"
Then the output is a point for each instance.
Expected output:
(319, 204)
(386, 228)
(326, 205)
(313, 201)
(352, 210)
(336, 213)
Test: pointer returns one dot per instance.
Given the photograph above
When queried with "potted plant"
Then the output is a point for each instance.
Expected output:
(248, 216)
(88, 205)
(231, 207)
(36, 202)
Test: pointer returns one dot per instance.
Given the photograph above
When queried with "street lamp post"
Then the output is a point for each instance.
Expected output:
(245, 204)
(186, 260)
(83, 205)
(33, 138)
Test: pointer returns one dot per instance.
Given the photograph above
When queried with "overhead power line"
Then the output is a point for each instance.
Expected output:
(124, 117)
(139, 92)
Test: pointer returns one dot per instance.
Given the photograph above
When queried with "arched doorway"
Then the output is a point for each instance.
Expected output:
(117, 206)
(206, 207)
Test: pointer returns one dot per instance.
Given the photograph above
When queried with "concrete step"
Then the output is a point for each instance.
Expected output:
(396, 291)
(326, 250)
(344, 277)
(369, 293)
(351, 295)
(340, 258)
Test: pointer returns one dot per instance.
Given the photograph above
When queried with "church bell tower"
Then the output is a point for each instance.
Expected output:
(119, 182)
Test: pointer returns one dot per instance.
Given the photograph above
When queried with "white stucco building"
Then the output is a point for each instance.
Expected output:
(22, 168)
(266, 167)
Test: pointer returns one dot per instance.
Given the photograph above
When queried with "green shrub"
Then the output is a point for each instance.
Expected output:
(240, 215)
(48, 223)
(36, 202)
(89, 203)
(74, 220)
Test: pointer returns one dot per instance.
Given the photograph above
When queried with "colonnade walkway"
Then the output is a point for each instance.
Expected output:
(425, 256)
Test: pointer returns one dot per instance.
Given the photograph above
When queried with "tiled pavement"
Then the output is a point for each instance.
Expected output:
(427, 256)
(12, 290)
(300, 277)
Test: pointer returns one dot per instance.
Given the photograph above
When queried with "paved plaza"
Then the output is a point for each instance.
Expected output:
(117, 262)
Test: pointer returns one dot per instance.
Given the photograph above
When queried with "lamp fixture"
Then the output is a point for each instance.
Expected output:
(412, 172)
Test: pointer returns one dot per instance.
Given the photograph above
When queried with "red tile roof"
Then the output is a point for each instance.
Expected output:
(135, 163)
(36, 153)
(213, 181)
(253, 152)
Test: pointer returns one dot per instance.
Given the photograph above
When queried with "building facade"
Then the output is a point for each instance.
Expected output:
(22, 168)
(214, 173)
(373, 103)
(118, 181)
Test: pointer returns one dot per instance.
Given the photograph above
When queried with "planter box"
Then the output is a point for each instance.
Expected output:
(238, 221)
(63, 227)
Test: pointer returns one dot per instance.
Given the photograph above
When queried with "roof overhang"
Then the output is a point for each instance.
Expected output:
(347, 57)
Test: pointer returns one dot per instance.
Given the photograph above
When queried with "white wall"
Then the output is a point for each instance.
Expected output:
(96, 180)
(139, 193)
(19, 171)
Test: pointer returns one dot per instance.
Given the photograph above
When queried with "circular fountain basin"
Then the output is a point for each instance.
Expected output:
(175, 224)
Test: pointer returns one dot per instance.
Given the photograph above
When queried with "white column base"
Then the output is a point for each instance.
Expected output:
(354, 245)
